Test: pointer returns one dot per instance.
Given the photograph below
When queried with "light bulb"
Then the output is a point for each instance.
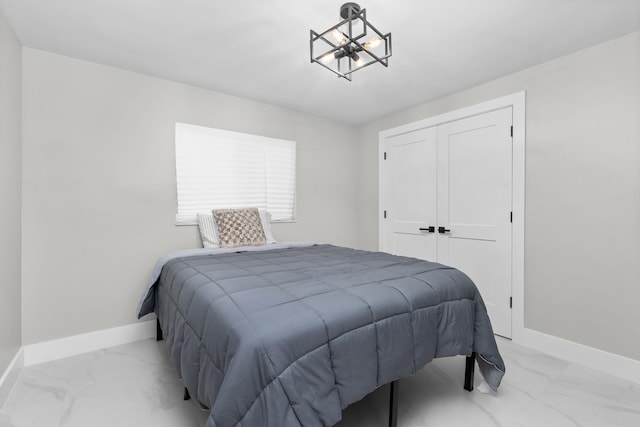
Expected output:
(326, 58)
(373, 43)
(357, 61)
(338, 36)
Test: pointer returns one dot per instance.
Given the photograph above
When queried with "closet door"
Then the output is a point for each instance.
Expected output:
(474, 206)
(410, 189)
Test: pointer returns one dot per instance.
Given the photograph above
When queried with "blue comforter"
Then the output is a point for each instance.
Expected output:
(290, 337)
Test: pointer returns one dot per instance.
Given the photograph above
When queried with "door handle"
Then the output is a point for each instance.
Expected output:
(430, 229)
(443, 230)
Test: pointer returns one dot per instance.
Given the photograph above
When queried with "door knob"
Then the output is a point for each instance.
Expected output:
(430, 229)
(443, 230)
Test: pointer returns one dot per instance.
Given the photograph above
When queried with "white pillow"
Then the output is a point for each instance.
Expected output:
(209, 233)
(265, 218)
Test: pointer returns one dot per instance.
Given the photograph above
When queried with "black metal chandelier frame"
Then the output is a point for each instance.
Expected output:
(349, 51)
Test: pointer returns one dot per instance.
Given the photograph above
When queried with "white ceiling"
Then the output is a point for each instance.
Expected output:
(260, 49)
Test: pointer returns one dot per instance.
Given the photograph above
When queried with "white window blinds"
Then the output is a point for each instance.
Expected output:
(223, 169)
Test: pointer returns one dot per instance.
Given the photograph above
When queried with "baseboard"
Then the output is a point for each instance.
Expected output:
(612, 364)
(77, 344)
(609, 363)
(10, 376)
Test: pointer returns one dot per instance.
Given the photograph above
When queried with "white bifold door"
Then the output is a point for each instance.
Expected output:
(446, 192)
(411, 191)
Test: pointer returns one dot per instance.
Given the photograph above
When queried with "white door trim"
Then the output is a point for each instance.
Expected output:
(517, 102)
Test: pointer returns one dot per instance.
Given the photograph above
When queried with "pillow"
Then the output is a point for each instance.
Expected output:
(209, 235)
(207, 230)
(265, 218)
(239, 227)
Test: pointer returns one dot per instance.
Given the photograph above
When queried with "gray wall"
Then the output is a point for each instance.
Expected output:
(99, 185)
(582, 230)
(99, 189)
(10, 198)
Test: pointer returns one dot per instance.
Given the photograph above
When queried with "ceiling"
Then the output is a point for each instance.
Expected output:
(260, 49)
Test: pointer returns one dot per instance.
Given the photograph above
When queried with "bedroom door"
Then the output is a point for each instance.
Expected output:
(474, 207)
(411, 215)
(457, 178)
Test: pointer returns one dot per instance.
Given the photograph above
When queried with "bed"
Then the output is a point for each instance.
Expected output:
(290, 334)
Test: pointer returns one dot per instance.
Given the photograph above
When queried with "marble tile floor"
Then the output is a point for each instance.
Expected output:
(135, 385)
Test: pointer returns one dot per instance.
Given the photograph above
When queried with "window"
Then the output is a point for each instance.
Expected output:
(222, 169)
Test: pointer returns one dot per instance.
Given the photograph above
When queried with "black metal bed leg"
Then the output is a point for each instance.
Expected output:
(393, 404)
(468, 372)
(159, 336)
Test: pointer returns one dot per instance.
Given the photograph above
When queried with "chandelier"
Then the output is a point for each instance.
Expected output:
(350, 45)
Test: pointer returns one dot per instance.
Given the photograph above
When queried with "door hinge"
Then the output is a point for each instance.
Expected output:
(510, 302)
(385, 214)
(511, 216)
(385, 155)
(511, 131)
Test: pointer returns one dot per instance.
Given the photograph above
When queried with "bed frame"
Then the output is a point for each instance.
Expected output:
(394, 389)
